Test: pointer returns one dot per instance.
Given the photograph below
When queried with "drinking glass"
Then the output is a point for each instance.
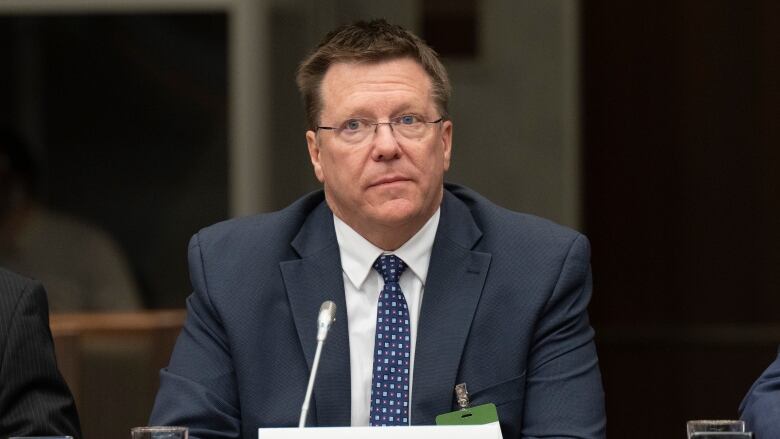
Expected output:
(722, 435)
(700, 426)
(159, 433)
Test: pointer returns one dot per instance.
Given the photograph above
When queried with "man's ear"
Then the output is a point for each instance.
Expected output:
(314, 154)
(446, 140)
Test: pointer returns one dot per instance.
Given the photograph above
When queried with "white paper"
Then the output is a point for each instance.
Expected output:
(487, 431)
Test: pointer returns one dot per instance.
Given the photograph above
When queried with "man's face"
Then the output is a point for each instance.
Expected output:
(385, 182)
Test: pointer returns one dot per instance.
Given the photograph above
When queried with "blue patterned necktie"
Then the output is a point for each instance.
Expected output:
(390, 385)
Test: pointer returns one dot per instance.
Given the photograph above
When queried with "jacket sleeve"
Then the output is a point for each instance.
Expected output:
(761, 407)
(564, 391)
(34, 399)
(198, 388)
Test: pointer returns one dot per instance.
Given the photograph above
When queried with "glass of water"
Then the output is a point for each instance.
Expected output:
(709, 426)
(722, 435)
(158, 433)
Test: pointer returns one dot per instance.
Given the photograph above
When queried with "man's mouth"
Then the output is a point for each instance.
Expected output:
(389, 180)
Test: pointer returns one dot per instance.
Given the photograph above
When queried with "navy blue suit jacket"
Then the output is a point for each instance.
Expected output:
(761, 407)
(504, 310)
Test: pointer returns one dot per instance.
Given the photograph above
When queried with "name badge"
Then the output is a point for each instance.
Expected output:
(467, 415)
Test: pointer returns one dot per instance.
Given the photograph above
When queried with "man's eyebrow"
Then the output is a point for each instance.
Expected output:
(366, 111)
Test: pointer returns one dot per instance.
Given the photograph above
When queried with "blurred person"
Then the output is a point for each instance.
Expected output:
(434, 284)
(34, 399)
(81, 266)
(761, 407)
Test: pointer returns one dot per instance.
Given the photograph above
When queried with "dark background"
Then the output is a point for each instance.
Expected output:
(680, 129)
(131, 135)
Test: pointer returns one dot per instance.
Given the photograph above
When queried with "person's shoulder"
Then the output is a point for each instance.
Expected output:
(70, 239)
(13, 287)
(516, 239)
(278, 226)
(14, 283)
(494, 219)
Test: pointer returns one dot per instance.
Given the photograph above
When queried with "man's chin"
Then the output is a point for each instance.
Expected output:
(397, 213)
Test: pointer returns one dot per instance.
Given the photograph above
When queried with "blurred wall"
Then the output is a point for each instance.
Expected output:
(126, 115)
(681, 103)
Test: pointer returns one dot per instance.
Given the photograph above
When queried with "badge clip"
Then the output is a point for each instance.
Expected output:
(462, 395)
(468, 415)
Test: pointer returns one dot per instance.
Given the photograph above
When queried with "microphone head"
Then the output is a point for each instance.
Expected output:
(325, 319)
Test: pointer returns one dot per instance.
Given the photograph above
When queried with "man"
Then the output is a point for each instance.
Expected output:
(761, 407)
(435, 286)
(34, 400)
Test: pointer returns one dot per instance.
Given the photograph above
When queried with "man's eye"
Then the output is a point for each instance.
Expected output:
(408, 119)
(353, 125)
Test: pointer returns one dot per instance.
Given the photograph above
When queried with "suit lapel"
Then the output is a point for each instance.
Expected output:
(454, 285)
(311, 280)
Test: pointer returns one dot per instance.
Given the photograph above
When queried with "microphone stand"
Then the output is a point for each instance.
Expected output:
(325, 319)
(310, 388)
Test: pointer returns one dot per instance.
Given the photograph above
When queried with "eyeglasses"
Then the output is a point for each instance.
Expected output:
(407, 127)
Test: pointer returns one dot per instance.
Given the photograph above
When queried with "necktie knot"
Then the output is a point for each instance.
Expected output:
(391, 267)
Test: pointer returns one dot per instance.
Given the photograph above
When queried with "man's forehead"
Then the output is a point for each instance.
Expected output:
(360, 83)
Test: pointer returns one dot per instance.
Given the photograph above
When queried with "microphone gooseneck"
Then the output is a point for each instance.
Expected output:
(325, 319)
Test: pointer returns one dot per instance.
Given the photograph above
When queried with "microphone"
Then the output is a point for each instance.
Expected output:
(324, 320)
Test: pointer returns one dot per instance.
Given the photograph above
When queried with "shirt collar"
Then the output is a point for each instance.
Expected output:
(358, 254)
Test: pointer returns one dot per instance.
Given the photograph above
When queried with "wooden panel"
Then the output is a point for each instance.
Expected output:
(111, 363)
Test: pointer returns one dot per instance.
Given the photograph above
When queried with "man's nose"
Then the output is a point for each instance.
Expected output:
(385, 146)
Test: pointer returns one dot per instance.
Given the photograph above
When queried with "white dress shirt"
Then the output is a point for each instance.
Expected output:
(362, 285)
